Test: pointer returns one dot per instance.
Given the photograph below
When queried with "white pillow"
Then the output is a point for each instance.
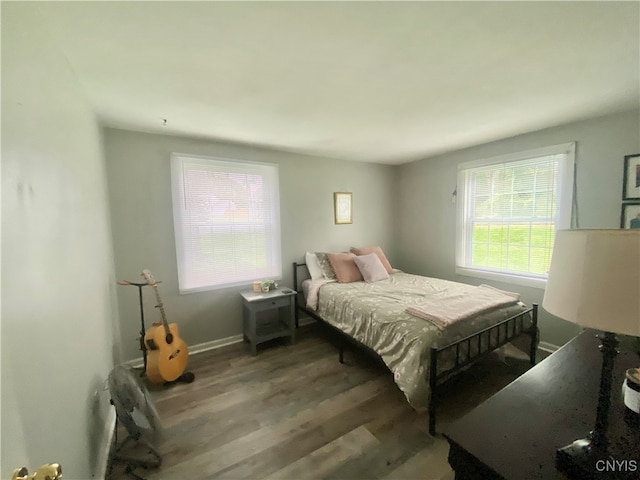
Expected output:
(371, 267)
(313, 265)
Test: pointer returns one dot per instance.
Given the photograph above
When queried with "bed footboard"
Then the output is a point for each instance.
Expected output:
(496, 336)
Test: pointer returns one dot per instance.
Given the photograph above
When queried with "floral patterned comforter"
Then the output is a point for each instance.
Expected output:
(374, 314)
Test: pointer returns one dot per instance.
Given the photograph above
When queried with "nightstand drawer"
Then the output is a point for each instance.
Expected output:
(269, 303)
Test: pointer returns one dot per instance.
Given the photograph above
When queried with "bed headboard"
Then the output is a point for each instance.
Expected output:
(298, 279)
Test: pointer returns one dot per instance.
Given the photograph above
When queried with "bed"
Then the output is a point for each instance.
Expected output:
(420, 354)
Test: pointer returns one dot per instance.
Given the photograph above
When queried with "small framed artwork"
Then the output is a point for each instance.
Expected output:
(630, 215)
(631, 186)
(342, 207)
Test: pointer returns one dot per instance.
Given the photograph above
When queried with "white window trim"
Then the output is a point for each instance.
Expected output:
(565, 204)
(503, 277)
(178, 191)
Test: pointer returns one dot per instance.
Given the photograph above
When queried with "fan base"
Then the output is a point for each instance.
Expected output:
(140, 453)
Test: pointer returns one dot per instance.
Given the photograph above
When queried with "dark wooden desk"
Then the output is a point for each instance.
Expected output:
(515, 434)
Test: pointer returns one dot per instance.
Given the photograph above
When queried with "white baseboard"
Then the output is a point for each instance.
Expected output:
(193, 349)
(212, 345)
(105, 447)
(548, 347)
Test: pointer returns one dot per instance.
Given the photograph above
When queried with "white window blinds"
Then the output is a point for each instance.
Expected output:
(509, 209)
(226, 222)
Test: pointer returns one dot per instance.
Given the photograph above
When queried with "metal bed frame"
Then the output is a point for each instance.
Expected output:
(496, 336)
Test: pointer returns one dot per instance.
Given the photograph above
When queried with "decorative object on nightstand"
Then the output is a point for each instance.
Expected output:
(268, 315)
(268, 285)
(594, 280)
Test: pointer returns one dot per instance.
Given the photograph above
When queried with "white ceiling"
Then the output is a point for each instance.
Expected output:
(383, 82)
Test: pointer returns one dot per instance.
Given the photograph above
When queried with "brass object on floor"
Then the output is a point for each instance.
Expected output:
(50, 471)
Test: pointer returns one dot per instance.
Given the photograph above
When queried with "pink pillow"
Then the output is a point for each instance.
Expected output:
(344, 267)
(371, 267)
(378, 251)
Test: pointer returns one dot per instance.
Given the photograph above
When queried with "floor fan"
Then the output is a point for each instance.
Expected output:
(137, 413)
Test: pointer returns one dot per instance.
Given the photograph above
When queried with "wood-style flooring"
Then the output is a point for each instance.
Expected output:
(294, 412)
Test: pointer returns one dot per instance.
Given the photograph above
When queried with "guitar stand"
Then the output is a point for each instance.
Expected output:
(142, 329)
(186, 377)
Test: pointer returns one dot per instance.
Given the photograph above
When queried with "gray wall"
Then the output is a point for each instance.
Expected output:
(58, 295)
(426, 240)
(138, 166)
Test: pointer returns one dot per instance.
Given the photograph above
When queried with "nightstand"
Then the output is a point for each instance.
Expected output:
(268, 315)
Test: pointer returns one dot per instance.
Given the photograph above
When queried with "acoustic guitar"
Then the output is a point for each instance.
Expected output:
(167, 353)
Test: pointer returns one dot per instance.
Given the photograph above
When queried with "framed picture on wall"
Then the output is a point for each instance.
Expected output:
(342, 207)
(631, 186)
(630, 215)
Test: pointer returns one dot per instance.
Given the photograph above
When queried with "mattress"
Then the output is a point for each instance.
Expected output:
(374, 314)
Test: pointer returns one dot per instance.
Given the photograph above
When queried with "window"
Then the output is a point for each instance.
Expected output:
(226, 221)
(508, 210)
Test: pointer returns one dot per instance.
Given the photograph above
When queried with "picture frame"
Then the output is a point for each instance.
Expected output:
(630, 215)
(631, 182)
(342, 208)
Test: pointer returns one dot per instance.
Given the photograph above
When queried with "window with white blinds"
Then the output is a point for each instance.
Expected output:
(226, 222)
(508, 210)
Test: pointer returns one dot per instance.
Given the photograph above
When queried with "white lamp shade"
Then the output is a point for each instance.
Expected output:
(594, 279)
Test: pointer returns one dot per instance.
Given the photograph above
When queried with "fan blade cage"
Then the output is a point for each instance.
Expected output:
(134, 407)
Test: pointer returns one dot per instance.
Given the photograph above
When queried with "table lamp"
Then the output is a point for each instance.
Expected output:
(594, 281)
